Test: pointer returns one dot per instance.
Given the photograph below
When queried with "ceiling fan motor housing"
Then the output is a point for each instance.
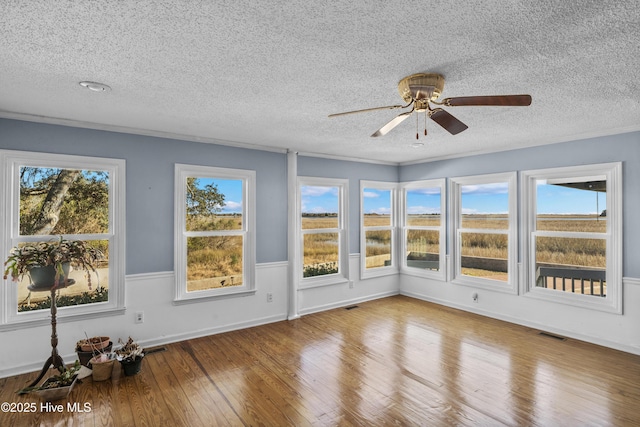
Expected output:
(421, 88)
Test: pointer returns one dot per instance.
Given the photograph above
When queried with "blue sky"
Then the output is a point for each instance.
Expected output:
(551, 199)
(377, 201)
(480, 199)
(491, 198)
(232, 190)
(317, 199)
(555, 199)
(423, 201)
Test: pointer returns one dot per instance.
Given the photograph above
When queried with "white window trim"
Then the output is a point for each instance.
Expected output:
(366, 273)
(612, 302)
(343, 250)
(248, 177)
(11, 162)
(511, 285)
(441, 274)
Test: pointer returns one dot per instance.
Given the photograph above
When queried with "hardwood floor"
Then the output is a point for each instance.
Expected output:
(394, 361)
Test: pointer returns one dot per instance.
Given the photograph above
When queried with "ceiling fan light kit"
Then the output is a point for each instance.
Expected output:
(421, 90)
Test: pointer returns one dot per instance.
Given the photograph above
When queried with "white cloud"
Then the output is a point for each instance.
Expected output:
(370, 194)
(431, 191)
(231, 206)
(314, 191)
(494, 188)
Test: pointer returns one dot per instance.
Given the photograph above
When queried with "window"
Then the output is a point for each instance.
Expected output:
(215, 225)
(322, 216)
(423, 227)
(572, 220)
(484, 227)
(377, 228)
(48, 196)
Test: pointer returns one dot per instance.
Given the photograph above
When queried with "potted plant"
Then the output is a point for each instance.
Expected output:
(57, 386)
(130, 355)
(90, 347)
(102, 366)
(47, 263)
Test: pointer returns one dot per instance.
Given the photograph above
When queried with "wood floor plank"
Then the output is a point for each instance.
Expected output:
(393, 361)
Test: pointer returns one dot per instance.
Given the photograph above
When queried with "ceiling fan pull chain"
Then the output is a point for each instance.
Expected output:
(425, 122)
(417, 126)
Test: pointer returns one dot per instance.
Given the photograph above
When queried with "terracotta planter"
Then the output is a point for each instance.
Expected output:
(85, 356)
(95, 343)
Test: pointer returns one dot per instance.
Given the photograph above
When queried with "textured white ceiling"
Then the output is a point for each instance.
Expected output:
(267, 74)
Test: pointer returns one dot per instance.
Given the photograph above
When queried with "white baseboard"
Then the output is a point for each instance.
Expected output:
(345, 303)
(529, 324)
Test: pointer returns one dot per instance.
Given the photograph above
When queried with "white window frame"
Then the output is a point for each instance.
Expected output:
(248, 178)
(456, 184)
(342, 276)
(612, 302)
(11, 162)
(441, 274)
(365, 272)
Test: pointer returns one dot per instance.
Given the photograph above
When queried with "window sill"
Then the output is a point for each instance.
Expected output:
(320, 282)
(427, 274)
(605, 304)
(372, 273)
(205, 298)
(61, 318)
(493, 285)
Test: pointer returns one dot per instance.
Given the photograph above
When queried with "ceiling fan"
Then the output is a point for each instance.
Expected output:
(421, 90)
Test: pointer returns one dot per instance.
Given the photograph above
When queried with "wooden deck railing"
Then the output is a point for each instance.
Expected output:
(576, 280)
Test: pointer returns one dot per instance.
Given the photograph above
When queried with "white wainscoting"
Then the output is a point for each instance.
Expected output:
(26, 350)
(620, 332)
(321, 298)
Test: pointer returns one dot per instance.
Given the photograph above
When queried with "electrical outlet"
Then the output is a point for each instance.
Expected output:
(140, 317)
(269, 297)
(475, 297)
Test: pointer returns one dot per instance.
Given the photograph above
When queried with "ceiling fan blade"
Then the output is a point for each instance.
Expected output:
(447, 121)
(388, 107)
(498, 100)
(393, 123)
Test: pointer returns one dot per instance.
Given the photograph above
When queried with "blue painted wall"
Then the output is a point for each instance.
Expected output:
(150, 174)
(150, 182)
(623, 148)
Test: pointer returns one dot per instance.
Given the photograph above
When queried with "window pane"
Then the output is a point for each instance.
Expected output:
(82, 289)
(423, 249)
(214, 262)
(576, 204)
(320, 254)
(213, 204)
(423, 207)
(378, 248)
(485, 255)
(63, 201)
(571, 265)
(377, 207)
(319, 207)
(485, 206)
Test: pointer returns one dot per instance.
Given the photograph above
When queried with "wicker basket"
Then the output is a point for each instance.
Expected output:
(102, 369)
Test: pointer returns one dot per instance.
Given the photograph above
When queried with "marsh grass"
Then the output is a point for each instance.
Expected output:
(549, 250)
(213, 256)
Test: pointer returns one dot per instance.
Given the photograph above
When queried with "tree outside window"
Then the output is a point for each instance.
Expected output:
(214, 231)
